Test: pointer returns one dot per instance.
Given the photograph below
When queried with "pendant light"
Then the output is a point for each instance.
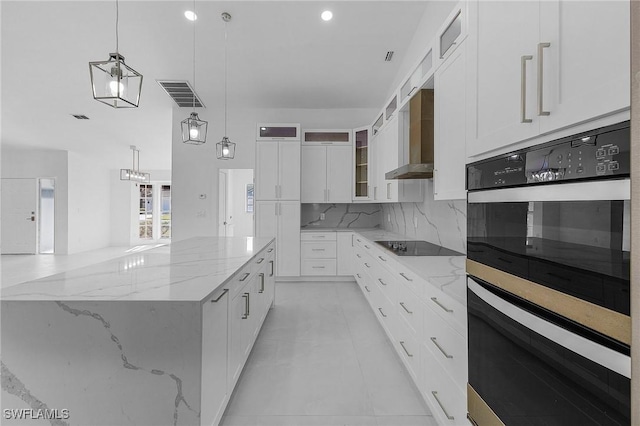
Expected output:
(194, 130)
(113, 82)
(225, 149)
(134, 172)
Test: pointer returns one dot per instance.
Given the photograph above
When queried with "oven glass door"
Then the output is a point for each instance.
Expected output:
(531, 371)
(577, 247)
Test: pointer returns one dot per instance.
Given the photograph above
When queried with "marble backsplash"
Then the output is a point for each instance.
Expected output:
(341, 216)
(439, 222)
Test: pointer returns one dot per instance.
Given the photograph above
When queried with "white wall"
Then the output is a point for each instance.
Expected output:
(237, 199)
(32, 163)
(195, 168)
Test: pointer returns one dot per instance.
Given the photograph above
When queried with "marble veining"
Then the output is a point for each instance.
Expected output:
(186, 270)
(341, 216)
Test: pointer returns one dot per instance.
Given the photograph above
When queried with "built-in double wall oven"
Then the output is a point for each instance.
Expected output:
(548, 254)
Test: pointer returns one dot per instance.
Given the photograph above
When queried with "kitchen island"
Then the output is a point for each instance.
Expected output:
(153, 338)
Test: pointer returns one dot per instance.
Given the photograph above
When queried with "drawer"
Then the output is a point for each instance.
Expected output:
(411, 309)
(447, 308)
(385, 282)
(318, 267)
(385, 312)
(412, 281)
(447, 346)
(408, 346)
(447, 403)
(318, 250)
(240, 279)
(317, 236)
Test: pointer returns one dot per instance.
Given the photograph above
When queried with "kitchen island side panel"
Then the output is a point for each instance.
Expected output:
(106, 362)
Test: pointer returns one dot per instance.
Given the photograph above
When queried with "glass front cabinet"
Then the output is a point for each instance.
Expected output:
(361, 164)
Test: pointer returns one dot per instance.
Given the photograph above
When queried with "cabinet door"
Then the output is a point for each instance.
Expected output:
(380, 182)
(266, 170)
(266, 219)
(500, 35)
(361, 182)
(289, 170)
(344, 254)
(578, 84)
(214, 357)
(391, 159)
(288, 239)
(339, 174)
(374, 147)
(450, 103)
(240, 329)
(314, 174)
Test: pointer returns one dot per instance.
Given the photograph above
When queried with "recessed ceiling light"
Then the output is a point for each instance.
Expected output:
(190, 15)
(326, 15)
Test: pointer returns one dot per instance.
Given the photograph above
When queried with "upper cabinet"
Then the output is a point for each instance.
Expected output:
(361, 170)
(533, 68)
(278, 132)
(453, 32)
(327, 166)
(277, 171)
(418, 77)
(327, 137)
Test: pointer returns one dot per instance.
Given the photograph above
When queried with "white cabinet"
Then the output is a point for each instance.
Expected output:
(344, 253)
(215, 390)
(240, 330)
(277, 171)
(281, 219)
(534, 70)
(361, 170)
(318, 253)
(449, 127)
(278, 131)
(326, 174)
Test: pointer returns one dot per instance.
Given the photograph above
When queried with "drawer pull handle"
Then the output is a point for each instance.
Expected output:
(358, 275)
(317, 249)
(405, 277)
(260, 260)
(317, 236)
(405, 308)
(435, 342)
(405, 349)
(444, 410)
(358, 255)
(366, 246)
(225, 291)
(435, 300)
(382, 282)
(382, 258)
(261, 283)
(367, 288)
(246, 306)
(358, 240)
(380, 309)
(245, 276)
(270, 250)
(367, 265)
(317, 267)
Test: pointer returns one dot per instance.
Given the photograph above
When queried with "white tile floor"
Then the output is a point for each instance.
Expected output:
(323, 359)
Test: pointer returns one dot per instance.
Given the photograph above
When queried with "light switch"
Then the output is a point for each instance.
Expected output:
(322, 216)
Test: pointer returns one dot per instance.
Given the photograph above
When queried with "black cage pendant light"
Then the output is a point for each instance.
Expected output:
(113, 82)
(225, 149)
(194, 130)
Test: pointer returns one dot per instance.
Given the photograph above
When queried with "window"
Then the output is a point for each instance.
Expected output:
(249, 208)
(165, 207)
(145, 223)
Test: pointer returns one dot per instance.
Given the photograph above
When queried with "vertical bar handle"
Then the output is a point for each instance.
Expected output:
(246, 306)
(261, 283)
(541, 47)
(444, 410)
(271, 263)
(523, 89)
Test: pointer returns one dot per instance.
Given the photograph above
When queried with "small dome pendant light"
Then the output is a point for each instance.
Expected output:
(194, 130)
(225, 149)
(113, 82)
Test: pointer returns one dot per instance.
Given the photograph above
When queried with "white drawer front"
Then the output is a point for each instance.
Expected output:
(447, 403)
(318, 250)
(447, 308)
(408, 346)
(317, 236)
(412, 281)
(318, 267)
(411, 309)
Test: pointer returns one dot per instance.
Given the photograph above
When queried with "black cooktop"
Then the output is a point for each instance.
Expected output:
(417, 248)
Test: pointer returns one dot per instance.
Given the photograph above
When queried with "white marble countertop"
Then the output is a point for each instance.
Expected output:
(447, 273)
(330, 229)
(187, 270)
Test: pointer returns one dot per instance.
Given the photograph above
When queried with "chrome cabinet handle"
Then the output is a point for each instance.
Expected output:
(317, 249)
(244, 277)
(358, 255)
(382, 282)
(358, 275)
(246, 305)
(317, 236)
(260, 260)
(405, 349)
(317, 267)
(358, 240)
(366, 246)
(411, 91)
(405, 277)
(328, 194)
(380, 309)
(367, 265)
(382, 258)
(272, 269)
(541, 47)
(367, 288)
(261, 283)
(444, 410)
(216, 300)
(435, 342)
(523, 89)
(270, 250)
(405, 308)
(435, 300)
(388, 191)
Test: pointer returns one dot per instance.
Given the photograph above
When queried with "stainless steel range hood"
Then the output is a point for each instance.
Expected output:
(420, 139)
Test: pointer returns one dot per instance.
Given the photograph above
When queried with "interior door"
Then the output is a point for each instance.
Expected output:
(223, 214)
(19, 206)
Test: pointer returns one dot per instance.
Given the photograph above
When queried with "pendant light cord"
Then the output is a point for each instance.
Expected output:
(225, 78)
(193, 98)
(117, 18)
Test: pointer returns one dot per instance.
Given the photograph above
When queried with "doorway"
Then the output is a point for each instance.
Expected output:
(235, 202)
(46, 221)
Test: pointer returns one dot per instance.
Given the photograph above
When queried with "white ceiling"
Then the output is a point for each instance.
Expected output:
(281, 55)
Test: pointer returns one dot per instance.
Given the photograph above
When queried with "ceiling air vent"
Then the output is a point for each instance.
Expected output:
(80, 116)
(181, 92)
(388, 56)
